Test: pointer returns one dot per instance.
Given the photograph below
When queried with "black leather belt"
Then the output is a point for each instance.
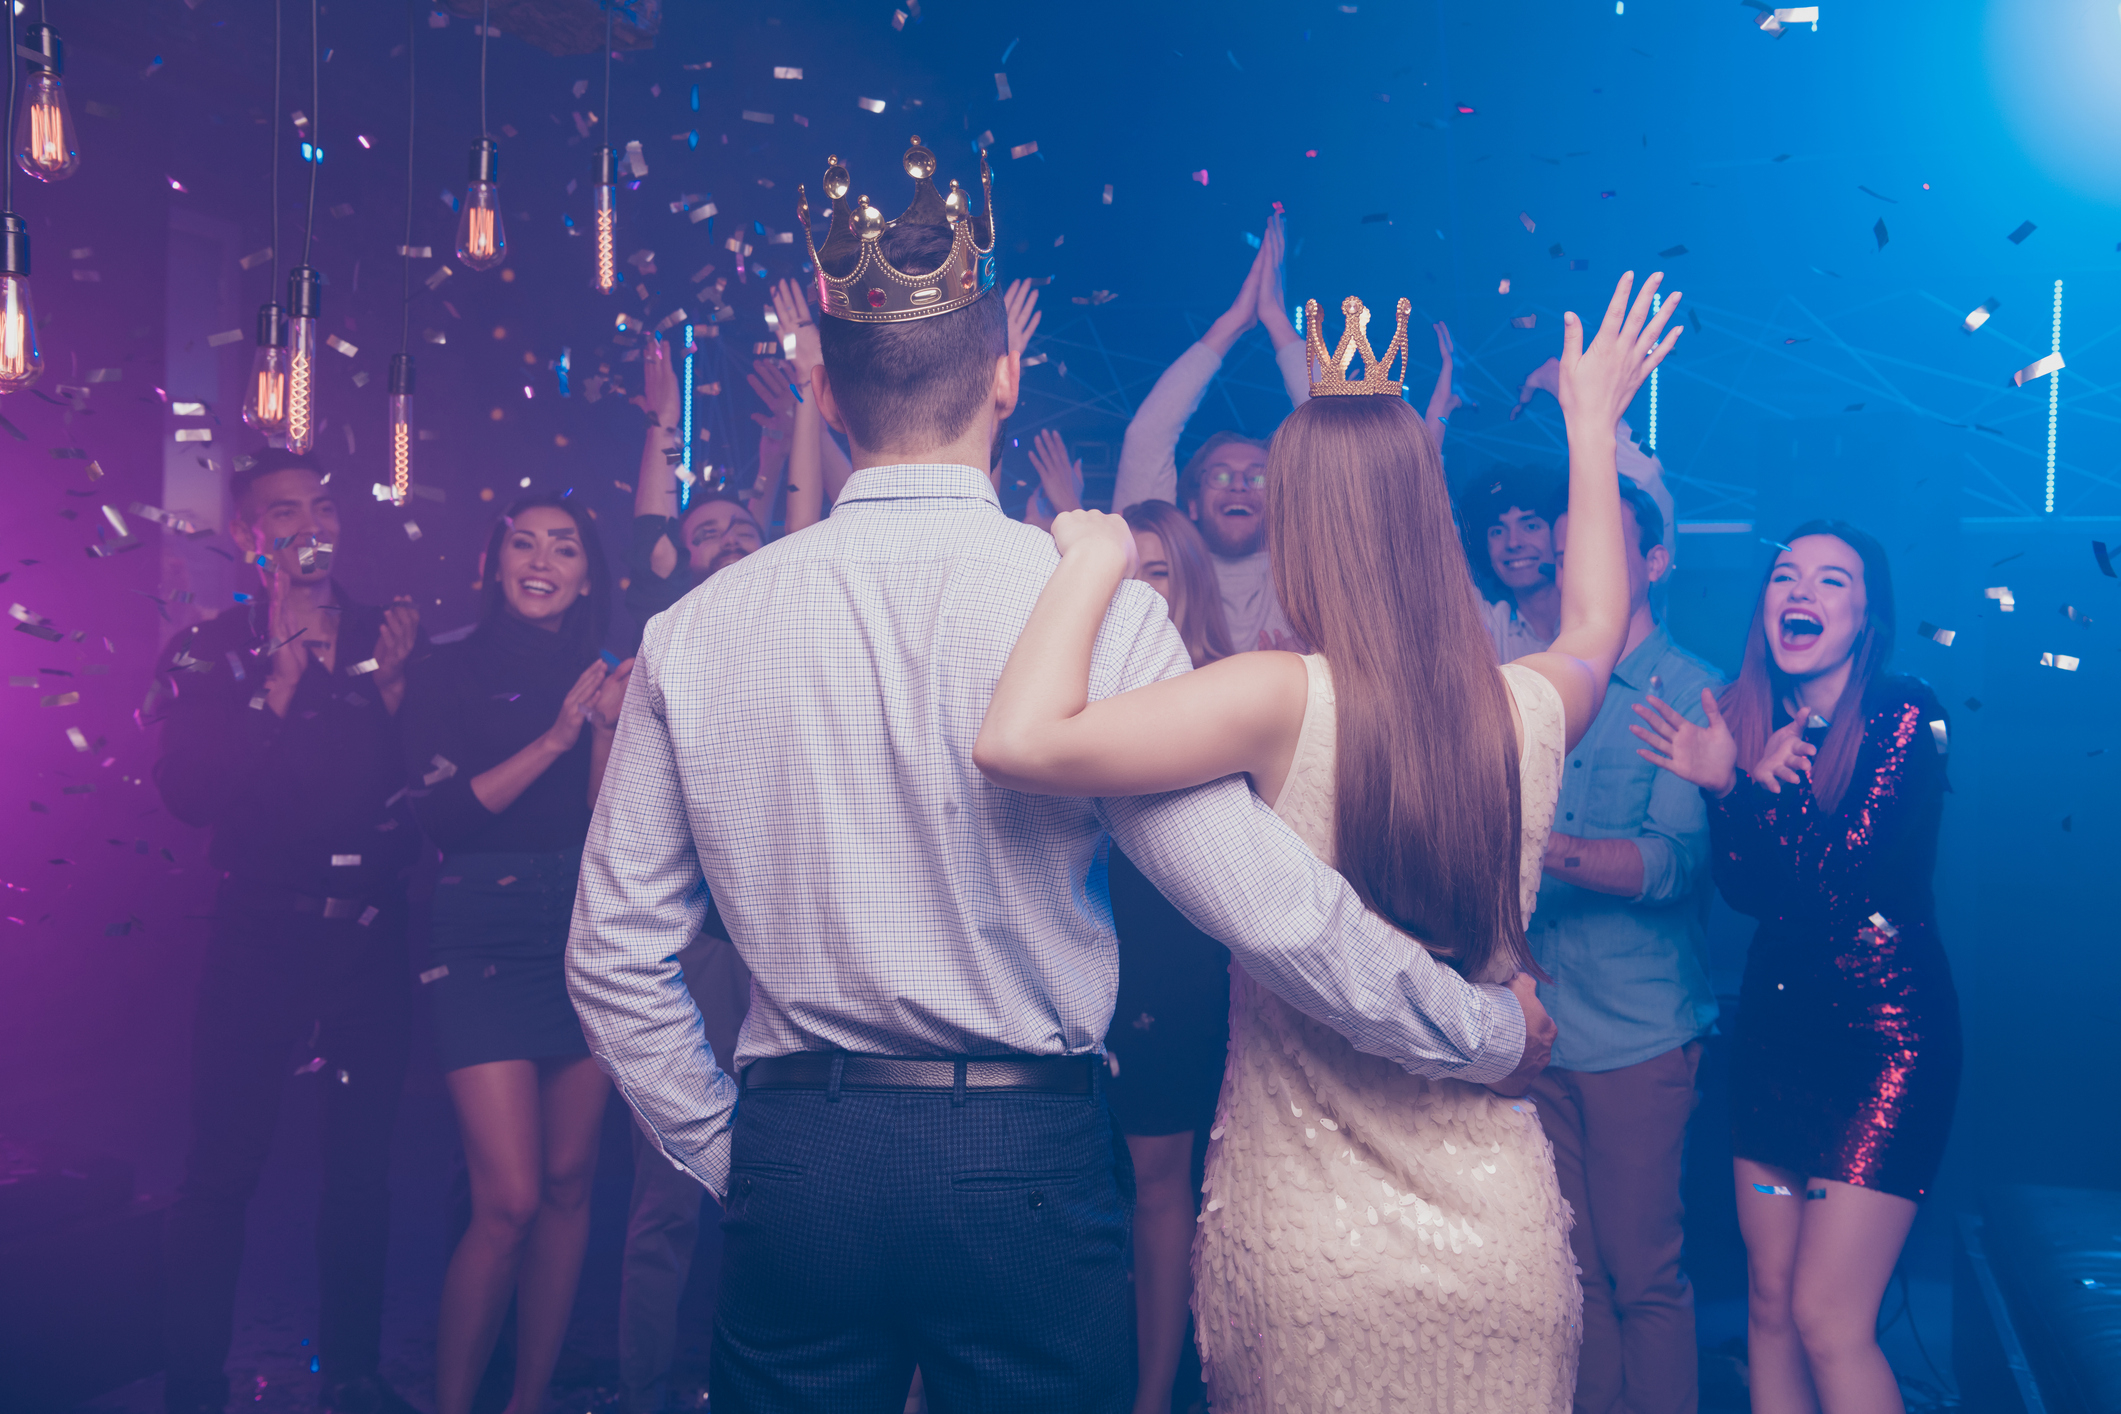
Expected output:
(819, 1070)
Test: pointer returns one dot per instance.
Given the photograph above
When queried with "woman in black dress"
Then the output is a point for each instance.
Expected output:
(1170, 1028)
(507, 733)
(1845, 1063)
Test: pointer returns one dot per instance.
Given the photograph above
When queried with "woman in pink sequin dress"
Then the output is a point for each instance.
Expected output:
(1845, 1062)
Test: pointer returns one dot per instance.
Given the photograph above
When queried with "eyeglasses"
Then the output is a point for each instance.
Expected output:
(1224, 480)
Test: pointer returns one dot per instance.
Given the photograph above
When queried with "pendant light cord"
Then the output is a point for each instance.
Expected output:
(273, 177)
(7, 202)
(485, 30)
(412, 109)
(316, 130)
(607, 74)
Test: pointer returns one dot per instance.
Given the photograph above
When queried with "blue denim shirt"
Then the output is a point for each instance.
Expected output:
(1628, 978)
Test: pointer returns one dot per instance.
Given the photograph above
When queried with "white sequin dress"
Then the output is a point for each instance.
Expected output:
(1374, 1240)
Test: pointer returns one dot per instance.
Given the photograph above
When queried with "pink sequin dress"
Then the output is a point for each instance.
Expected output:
(1374, 1240)
(1846, 1053)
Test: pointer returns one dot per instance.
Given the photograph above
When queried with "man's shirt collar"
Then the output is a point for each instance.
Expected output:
(911, 481)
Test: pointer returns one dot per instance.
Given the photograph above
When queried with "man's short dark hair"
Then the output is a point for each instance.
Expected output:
(900, 386)
(1483, 500)
(1649, 516)
(268, 463)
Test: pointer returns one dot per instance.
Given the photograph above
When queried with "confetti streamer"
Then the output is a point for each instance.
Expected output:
(1941, 636)
(2039, 368)
(872, 105)
(1024, 149)
(1979, 315)
(1001, 88)
(2002, 595)
(2059, 660)
(2018, 236)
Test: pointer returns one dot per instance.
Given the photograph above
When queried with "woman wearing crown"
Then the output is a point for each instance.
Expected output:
(1373, 1239)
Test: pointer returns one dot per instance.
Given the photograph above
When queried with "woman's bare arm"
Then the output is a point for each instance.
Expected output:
(1597, 384)
(1043, 734)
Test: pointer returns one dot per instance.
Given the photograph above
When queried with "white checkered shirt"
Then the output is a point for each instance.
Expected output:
(798, 738)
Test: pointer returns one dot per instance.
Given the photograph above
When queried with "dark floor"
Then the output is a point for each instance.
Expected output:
(276, 1305)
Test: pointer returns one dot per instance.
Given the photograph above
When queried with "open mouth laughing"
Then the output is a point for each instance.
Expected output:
(1799, 629)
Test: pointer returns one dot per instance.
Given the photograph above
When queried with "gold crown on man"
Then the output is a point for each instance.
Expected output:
(1376, 377)
(874, 291)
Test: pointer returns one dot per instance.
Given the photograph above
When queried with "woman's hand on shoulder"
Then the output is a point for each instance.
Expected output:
(1096, 532)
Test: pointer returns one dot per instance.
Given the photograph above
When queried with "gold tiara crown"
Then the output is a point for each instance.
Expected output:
(1332, 376)
(873, 291)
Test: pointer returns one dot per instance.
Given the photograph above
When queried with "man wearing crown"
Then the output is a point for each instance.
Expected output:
(917, 1163)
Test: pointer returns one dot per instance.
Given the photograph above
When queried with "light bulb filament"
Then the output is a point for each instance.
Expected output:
(299, 412)
(479, 243)
(400, 463)
(46, 135)
(271, 397)
(607, 250)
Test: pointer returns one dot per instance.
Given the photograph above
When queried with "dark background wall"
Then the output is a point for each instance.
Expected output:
(1823, 372)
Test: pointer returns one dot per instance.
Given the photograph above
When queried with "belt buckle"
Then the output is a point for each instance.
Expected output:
(342, 908)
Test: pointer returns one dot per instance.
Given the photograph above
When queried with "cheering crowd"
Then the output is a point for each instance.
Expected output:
(909, 855)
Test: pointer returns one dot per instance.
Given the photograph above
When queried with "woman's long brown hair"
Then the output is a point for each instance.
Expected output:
(1196, 594)
(1748, 704)
(1368, 566)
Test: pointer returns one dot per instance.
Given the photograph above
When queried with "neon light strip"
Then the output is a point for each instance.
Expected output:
(2054, 401)
(1656, 303)
(685, 421)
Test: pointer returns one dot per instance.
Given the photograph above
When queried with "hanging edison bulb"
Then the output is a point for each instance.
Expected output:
(265, 399)
(401, 379)
(607, 222)
(482, 243)
(20, 363)
(46, 145)
(305, 300)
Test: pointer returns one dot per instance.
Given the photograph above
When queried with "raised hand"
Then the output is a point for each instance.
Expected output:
(1021, 302)
(1233, 323)
(394, 644)
(659, 396)
(1596, 384)
(1443, 398)
(770, 379)
(792, 309)
(610, 697)
(1706, 756)
(1544, 379)
(1060, 478)
(1271, 295)
(566, 729)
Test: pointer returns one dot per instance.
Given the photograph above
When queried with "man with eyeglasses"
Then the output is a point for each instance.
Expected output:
(1223, 486)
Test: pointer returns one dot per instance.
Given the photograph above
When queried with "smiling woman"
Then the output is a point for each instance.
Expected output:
(1846, 1053)
(506, 735)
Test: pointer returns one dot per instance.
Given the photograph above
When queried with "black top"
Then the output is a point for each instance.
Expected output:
(476, 703)
(1785, 861)
(284, 796)
(648, 593)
